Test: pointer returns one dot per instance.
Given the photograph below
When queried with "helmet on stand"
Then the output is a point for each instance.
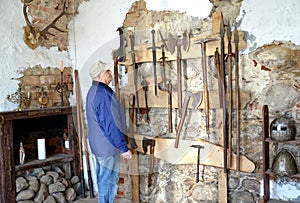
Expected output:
(282, 129)
(284, 163)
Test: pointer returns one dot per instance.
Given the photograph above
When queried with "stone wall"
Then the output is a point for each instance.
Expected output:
(43, 86)
(270, 76)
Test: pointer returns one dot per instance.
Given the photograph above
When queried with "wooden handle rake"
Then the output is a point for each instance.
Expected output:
(82, 136)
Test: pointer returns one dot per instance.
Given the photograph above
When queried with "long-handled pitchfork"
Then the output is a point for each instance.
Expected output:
(82, 136)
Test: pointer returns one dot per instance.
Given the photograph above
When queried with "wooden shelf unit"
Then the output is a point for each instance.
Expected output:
(52, 160)
(8, 167)
(267, 171)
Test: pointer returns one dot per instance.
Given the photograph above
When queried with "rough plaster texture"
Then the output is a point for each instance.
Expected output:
(16, 55)
(266, 21)
(93, 36)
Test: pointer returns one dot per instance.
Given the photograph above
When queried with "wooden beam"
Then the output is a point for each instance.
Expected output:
(161, 101)
(222, 186)
(184, 154)
(135, 182)
(144, 55)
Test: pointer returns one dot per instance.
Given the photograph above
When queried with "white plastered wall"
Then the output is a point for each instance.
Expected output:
(93, 35)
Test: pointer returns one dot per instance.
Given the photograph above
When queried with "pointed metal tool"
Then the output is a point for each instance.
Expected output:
(197, 146)
(197, 97)
(135, 78)
(163, 86)
(203, 43)
(119, 56)
(237, 97)
(153, 48)
(222, 78)
(145, 86)
(229, 89)
(163, 40)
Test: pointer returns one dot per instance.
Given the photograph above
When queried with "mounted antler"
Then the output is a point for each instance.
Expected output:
(32, 35)
(46, 32)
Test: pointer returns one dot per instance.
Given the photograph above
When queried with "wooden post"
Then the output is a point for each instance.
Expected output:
(135, 184)
(222, 186)
(265, 129)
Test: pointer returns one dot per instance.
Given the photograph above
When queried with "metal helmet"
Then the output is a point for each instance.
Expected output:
(283, 129)
(284, 163)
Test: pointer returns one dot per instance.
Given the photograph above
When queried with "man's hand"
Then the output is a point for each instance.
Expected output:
(127, 155)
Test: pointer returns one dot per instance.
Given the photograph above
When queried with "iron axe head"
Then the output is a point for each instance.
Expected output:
(198, 146)
(186, 41)
(147, 142)
(119, 54)
(205, 40)
(197, 99)
(163, 40)
(171, 43)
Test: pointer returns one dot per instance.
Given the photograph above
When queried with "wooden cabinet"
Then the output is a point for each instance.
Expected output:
(267, 171)
(12, 124)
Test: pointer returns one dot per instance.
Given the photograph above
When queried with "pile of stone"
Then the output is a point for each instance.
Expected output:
(48, 185)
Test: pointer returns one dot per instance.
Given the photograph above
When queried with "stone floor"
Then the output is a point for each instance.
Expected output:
(123, 200)
(94, 200)
(277, 201)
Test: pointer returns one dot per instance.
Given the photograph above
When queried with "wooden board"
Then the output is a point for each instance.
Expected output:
(222, 186)
(135, 183)
(210, 155)
(161, 101)
(143, 54)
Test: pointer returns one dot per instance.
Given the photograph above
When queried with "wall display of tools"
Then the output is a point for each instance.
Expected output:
(186, 78)
(157, 63)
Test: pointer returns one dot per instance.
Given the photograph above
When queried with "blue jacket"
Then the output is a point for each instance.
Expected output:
(106, 121)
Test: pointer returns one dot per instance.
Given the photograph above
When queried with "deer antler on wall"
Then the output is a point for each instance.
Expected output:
(32, 34)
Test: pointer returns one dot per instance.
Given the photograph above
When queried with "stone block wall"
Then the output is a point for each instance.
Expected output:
(270, 76)
(43, 87)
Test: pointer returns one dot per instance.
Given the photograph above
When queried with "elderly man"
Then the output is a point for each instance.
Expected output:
(106, 131)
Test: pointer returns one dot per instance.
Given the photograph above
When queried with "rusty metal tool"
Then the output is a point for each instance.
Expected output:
(118, 56)
(198, 159)
(87, 154)
(2, 121)
(135, 154)
(220, 82)
(237, 98)
(135, 78)
(183, 113)
(197, 101)
(170, 124)
(186, 41)
(132, 142)
(203, 43)
(79, 133)
(179, 79)
(172, 43)
(163, 64)
(229, 88)
(266, 147)
(145, 86)
(149, 142)
(224, 117)
(153, 48)
(163, 40)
